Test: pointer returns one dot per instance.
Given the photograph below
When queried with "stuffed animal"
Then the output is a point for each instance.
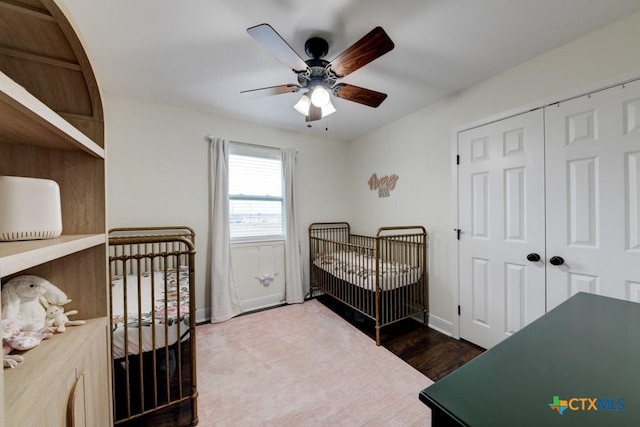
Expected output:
(12, 338)
(9, 360)
(23, 322)
(21, 305)
(57, 318)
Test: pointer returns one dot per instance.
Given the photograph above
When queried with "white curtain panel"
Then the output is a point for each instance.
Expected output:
(294, 284)
(225, 300)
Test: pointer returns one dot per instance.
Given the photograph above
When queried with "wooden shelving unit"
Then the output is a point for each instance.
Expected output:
(64, 366)
(51, 126)
(26, 118)
(18, 256)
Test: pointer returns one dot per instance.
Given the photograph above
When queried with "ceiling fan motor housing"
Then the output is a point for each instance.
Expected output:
(316, 47)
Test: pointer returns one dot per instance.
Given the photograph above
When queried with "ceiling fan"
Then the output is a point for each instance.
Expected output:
(317, 77)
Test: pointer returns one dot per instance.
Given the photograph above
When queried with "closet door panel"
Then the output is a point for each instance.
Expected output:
(593, 194)
(501, 205)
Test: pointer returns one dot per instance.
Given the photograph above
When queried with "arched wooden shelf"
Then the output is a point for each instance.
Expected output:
(40, 50)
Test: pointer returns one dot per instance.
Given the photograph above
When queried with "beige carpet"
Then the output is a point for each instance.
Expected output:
(302, 365)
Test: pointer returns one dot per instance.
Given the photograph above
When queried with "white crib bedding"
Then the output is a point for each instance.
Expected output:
(158, 311)
(360, 270)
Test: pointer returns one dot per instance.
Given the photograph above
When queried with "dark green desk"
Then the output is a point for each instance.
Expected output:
(586, 351)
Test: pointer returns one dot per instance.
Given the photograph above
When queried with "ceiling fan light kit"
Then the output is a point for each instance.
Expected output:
(328, 109)
(320, 96)
(303, 104)
(319, 77)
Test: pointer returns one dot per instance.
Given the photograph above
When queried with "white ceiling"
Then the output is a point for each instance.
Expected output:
(197, 53)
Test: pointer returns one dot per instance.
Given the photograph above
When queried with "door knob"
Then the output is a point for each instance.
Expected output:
(556, 260)
(533, 257)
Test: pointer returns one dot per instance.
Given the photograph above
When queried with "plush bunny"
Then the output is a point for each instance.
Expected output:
(10, 360)
(21, 305)
(15, 339)
(8, 331)
(57, 318)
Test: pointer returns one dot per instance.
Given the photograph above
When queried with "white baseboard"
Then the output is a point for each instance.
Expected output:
(436, 323)
(262, 302)
(440, 325)
(203, 315)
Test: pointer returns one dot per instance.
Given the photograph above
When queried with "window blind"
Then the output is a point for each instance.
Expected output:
(255, 196)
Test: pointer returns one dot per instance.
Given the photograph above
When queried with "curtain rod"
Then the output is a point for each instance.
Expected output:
(210, 138)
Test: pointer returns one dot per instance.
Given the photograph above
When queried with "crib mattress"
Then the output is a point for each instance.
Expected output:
(360, 270)
(164, 314)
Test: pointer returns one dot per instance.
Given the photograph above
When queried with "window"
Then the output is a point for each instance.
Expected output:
(256, 203)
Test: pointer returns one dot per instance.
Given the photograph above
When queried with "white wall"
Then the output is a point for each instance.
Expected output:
(251, 260)
(418, 148)
(157, 171)
(157, 157)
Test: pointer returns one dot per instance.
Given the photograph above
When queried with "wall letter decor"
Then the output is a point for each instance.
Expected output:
(384, 185)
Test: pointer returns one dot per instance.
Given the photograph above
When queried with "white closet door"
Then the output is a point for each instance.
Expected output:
(501, 217)
(593, 195)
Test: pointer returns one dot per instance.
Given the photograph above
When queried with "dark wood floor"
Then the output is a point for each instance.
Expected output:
(430, 352)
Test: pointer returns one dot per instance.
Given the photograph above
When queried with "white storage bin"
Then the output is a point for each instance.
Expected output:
(29, 208)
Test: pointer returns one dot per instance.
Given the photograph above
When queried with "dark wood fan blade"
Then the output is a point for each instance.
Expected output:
(359, 94)
(273, 90)
(375, 44)
(315, 113)
(277, 46)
